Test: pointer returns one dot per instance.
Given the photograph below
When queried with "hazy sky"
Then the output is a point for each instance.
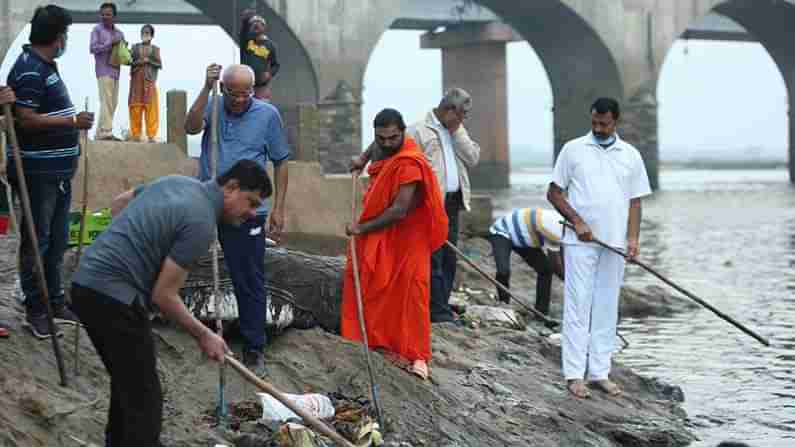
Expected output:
(715, 96)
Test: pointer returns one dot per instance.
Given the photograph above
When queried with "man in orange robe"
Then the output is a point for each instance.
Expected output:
(403, 221)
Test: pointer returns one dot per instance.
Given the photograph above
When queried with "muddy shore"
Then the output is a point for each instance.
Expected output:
(491, 386)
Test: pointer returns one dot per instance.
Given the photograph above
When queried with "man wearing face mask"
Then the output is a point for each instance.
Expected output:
(402, 223)
(47, 127)
(597, 185)
(248, 129)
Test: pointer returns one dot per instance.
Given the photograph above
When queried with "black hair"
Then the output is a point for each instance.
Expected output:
(109, 5)
(604, 105)
(150, 28)
(48, 23)
(245, 27)
(389, 117)
(250, 176)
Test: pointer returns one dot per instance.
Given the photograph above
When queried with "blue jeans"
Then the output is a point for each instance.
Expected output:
(50, 200)
(443, 263)
(244, 255)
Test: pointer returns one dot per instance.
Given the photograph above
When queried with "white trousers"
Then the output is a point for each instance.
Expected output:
(590, 312)
(108, 99)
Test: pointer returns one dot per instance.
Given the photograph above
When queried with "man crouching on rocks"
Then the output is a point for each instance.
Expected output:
(142, 259)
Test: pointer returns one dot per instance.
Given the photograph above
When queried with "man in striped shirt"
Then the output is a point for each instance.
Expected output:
(534, 234)
(47, 127)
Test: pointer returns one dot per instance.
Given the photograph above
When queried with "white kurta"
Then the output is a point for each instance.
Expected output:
(599, 184)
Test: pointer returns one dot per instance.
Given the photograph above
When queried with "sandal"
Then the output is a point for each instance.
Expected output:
(607, 386)
(578, 389)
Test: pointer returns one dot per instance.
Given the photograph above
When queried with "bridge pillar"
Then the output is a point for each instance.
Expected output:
(473, 58)
(638, 126)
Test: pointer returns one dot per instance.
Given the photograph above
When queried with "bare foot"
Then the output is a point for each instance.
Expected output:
(420, 369)
(578, 389)
(607, 386)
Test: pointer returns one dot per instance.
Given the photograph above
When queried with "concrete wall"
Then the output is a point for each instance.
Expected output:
(316, 204)
(115, 167)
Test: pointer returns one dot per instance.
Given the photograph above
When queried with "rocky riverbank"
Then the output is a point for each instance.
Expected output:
(491, 386)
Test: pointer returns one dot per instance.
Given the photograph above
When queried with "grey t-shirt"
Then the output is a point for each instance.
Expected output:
(173, 217)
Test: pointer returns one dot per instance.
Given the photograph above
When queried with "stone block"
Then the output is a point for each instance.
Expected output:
(177, 111)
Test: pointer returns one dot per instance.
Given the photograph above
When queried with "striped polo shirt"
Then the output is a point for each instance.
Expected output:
(531, 228)
(38, 85)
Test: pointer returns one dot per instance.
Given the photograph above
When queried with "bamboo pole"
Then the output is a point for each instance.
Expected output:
(360, 307)
(682, 290)
(34, 240)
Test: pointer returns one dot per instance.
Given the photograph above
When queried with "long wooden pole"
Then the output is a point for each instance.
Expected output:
(549, 321)
(33, 239)
(84, 151)
(312, 421)
(222, 413)
(360, 307)
(698, 300)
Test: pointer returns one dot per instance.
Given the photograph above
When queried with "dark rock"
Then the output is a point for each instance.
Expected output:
(663, 390)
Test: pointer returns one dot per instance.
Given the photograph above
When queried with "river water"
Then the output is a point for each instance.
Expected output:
(727, 236)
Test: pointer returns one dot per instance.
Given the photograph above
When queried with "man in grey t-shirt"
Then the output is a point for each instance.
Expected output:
(157, 233)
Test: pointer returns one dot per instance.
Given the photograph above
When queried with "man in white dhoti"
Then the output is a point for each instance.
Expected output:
(597, 185)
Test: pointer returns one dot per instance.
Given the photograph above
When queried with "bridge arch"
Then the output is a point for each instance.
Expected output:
(578, 73)
(770, 22)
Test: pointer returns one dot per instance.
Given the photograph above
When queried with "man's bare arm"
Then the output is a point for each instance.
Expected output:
(121, 201)
(28, 119)
(194, 123)
(396, 212)
(558, 200)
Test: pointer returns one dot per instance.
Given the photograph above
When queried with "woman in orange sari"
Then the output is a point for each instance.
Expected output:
(143, 98)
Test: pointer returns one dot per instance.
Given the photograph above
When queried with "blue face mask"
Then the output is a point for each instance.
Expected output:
(62, 49)
(605, 141)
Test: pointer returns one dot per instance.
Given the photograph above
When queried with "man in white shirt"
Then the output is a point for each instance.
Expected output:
(597, 185)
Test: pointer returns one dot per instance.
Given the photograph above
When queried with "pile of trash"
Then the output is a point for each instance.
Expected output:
(469, 303)
(267, 422)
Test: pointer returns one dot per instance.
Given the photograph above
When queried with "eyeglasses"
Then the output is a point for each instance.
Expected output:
(237, 95)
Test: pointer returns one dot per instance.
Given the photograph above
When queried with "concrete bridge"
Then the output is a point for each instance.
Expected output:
(589, 49)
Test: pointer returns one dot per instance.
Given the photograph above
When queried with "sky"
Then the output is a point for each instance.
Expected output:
(717, 99)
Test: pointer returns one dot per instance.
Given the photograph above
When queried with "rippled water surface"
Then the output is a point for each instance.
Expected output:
(729, 237)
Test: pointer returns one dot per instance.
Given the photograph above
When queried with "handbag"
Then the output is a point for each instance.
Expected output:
(120, 54)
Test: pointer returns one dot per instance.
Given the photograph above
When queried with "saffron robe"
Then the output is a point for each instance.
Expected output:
(394, 262)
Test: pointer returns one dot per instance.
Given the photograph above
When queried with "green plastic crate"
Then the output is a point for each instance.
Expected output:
(96, 223)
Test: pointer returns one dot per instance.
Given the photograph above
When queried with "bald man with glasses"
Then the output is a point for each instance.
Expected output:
(248, 129)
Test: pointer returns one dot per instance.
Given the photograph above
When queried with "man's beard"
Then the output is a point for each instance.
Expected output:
(390, 150)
